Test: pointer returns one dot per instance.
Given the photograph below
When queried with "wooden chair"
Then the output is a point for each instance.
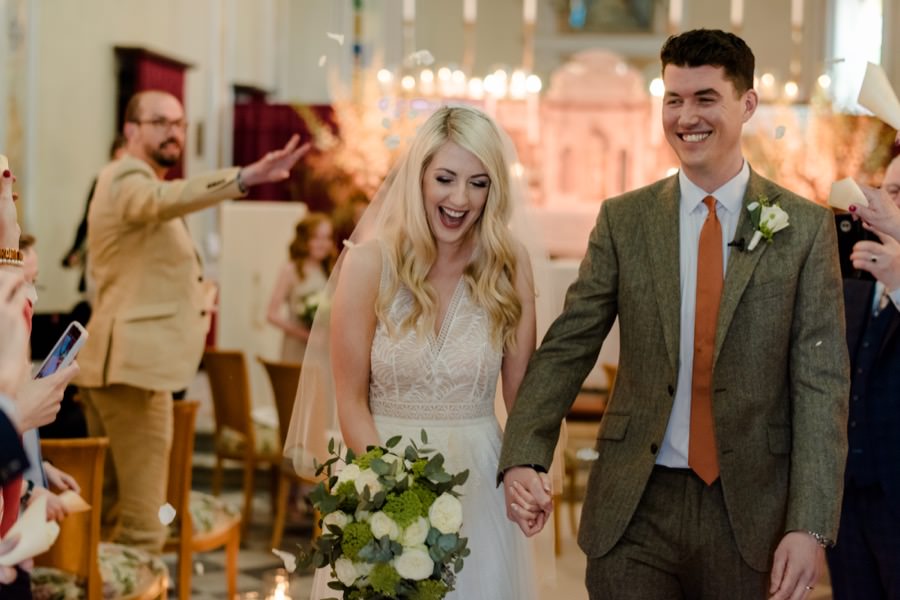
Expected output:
(610, 370)
(75, 559)
(224, 529)
(236, 436)
(284, 378)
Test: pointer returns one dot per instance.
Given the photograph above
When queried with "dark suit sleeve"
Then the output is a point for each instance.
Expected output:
(12, 455)
(568, 352)
(820, 388)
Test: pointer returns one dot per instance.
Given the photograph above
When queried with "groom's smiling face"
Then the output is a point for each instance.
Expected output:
(702, 117)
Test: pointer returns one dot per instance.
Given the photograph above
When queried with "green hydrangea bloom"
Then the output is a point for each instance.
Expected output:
(364, 461)
(429, 589)
(426, 498)
(404, 508)
(418, 468)
(384, 578)
(356, 536)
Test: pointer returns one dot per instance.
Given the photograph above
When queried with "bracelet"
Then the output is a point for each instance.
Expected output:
(821, 539)
(11, 254)
(240, 182)
(12, 262)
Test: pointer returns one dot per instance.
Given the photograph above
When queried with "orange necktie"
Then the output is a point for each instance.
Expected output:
(702, 456)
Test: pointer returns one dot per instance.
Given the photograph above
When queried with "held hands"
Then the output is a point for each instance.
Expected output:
(529, 499)
(796, 566)
(276, 165)
(881, 260)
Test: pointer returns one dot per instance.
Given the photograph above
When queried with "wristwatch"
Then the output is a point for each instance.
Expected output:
(821, 539)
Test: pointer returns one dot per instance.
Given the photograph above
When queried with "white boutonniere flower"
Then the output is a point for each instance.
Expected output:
(767, 219)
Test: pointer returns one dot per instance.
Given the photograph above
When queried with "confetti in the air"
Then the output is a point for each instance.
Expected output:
(338, 37)
(392, 141)
(199, 569)
(779, 132)
(166, 513)
(420, 57)
(289, 560)
(819, 343)
(322, 60)
(587, 454)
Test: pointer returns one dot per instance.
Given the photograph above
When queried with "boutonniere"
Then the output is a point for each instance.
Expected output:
(767, 219)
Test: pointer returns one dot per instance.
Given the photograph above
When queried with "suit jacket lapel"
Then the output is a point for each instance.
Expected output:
(741, 262)
(661, 232)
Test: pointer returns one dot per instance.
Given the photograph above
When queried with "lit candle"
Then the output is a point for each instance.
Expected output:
(657, 90)
(470, 11)
(409, 10)
(675, 10)
(533, 108)
(796, 14)
(529, 11)
(737, 13)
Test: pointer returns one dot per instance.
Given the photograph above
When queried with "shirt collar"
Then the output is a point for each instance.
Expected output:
(730, 195)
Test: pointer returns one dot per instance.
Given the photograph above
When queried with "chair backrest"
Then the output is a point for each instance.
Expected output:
(75, 550)
(181, 458)
(610, 370)
(230, 388)
(284, 378)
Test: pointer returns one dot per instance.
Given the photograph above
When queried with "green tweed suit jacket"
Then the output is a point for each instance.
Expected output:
(780, 374)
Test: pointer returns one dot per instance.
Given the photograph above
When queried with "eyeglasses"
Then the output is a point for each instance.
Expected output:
(163, 124)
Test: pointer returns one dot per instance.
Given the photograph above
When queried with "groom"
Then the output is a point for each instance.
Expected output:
(722, 449)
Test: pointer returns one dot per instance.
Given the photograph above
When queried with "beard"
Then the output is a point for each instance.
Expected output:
(166, 158)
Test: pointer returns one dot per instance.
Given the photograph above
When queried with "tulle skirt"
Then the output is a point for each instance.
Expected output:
(500, 566)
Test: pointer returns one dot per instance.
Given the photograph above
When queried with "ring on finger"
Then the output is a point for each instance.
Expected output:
(874, 259)
(809, 587)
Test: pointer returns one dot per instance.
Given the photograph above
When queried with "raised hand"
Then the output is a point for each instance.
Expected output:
(275, 165)
(38, 400)
(881, 214)
(881, 260)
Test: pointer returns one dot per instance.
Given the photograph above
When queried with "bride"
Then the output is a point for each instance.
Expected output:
(432, 303)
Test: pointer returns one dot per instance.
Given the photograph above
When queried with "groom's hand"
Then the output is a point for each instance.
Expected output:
(528, 498)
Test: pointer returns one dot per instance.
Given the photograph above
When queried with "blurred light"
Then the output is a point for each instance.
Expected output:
(517, 87)
(517, 169)
(427, 76)
(767, 79)
(444, 74)
(657, 88)
(385, 76)
(791, 89)
(408, 83)
(533, 84)
(476, 88)
(824, 81)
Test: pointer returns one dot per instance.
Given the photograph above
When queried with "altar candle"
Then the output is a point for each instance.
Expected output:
(737, 13)
(796, 14)
(470, 11)
(529, 11)
(409, 10)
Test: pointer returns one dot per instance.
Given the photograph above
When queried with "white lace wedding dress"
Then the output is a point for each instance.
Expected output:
(446, 385)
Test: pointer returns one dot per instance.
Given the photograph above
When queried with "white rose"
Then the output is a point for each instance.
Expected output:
(363, 568)
(414, 563)
(348, 473)
(368, 478)
(345, 571)
(362, 516)
(415, 533)
(338, 518)
(382, 525)
(445, 513)
(392, 459)
(773, 219)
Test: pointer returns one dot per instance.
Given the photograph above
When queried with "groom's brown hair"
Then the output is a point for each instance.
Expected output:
(713, 47)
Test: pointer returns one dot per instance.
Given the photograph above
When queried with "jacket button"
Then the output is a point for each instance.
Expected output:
(654, 449)
(202, 313)
(200, 278)
(671, 390)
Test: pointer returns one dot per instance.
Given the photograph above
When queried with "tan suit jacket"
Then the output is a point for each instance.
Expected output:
(780, 376)
(151, 314)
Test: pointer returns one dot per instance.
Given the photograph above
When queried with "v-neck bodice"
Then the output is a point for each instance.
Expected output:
(449, 376)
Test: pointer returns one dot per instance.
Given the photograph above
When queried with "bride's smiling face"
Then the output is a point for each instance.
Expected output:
(455, 189)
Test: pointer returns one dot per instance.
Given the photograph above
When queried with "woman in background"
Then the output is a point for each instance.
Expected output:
(300, 281)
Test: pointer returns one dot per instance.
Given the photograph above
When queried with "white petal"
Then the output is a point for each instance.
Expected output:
(289, 560)
(166, 513)
(322, 60)
(338, 37)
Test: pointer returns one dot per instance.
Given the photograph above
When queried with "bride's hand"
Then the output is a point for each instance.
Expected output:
(528, 498)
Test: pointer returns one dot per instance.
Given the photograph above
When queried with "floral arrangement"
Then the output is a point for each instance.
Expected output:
(767, 219)
(390, 522)
(308, 305)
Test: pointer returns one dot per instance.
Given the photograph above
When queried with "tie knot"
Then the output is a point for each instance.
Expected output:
(710, 202)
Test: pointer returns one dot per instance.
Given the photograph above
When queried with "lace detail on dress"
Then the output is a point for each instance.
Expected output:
(449, 377)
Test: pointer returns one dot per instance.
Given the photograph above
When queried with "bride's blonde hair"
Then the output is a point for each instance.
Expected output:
(409, 242)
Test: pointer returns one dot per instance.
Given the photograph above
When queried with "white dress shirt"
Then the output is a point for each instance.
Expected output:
(692, 215)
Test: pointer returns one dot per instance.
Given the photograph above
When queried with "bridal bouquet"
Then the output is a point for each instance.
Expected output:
(390, 523)
(308, 305)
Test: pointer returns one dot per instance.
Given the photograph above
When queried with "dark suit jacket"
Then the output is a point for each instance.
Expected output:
(883, 401)
(13, 461)
(780, 374)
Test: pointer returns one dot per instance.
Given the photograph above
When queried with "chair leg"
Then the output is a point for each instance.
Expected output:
(231, 556)
(284, 488)
(184, 573)
(217, 477)
(249, 472)
(274, 485)
(573, 500)
(557, 535)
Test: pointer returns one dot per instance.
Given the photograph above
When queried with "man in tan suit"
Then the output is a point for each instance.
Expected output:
(152, 310)
(722, 448)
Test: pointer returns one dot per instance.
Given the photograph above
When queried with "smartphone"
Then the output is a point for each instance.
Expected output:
(849, 232)
(64, 351)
